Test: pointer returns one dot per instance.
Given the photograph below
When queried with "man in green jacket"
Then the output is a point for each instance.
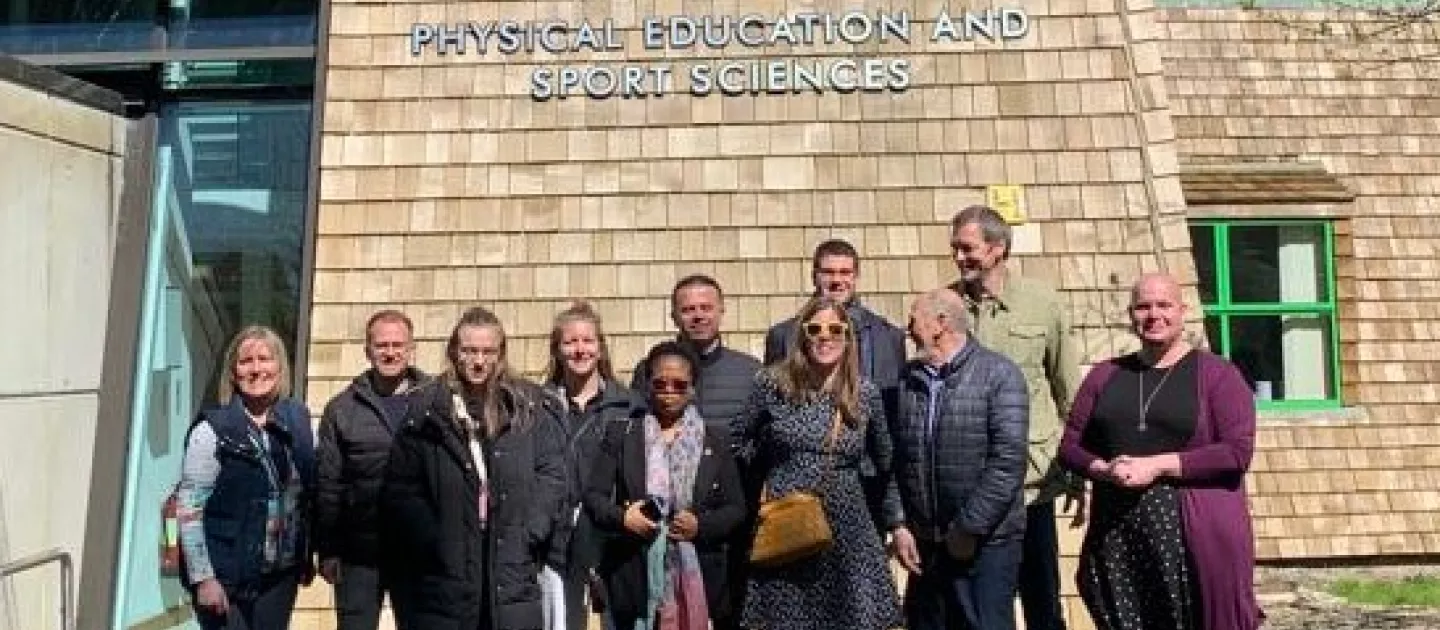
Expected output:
(1028, 323)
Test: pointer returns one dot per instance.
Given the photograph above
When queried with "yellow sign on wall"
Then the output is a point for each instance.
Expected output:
(1008, 200)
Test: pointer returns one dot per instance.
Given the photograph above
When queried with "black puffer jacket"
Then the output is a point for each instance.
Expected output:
(353, 446)
(576, 542)
(447, 572)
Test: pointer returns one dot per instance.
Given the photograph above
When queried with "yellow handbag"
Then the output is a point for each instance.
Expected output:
(794, 527)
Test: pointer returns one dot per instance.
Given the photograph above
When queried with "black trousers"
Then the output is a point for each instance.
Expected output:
(264, 606)
(1040, 570)
(577, 608)
(359, 595)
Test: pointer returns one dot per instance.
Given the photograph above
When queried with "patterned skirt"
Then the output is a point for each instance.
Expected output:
(1135, 571)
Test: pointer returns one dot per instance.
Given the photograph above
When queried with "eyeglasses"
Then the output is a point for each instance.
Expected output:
(832, 329)
(473, 353)
(669, 385)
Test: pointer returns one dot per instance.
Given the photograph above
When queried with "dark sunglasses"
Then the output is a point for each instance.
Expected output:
(833, 329)
(669, 385)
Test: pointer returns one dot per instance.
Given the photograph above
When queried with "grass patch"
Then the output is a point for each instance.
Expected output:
(1420, 590)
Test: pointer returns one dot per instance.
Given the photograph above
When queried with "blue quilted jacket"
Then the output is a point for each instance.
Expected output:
(966, 467)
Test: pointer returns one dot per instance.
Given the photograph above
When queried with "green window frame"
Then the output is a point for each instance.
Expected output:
(1230, 307)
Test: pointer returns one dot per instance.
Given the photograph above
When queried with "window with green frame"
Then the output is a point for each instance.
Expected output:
(1268, 291)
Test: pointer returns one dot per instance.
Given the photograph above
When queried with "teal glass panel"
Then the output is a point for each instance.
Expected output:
(225, 251)
(66, 26)
(242, 23)
(242, 193)
(258, 73)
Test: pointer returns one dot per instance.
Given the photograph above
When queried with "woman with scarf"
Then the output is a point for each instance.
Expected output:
(670, 492)
(476, 478)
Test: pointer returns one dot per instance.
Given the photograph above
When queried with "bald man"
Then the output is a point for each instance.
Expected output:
(960, 460)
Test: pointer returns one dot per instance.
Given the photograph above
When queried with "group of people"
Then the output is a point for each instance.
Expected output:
(478, 499)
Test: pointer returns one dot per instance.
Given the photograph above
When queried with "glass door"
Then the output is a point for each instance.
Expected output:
(225, 251)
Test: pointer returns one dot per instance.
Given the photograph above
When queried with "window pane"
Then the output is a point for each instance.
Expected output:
(238, 174)
(231, 23)
(1212, 334)
(1202, 243)
(1284, 357)
(65, 26)
(191, 75)
(1277, 263)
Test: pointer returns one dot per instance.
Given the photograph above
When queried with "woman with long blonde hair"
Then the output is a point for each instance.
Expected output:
(581, 378)
(475, 480)
(248, 468)
(812, 424)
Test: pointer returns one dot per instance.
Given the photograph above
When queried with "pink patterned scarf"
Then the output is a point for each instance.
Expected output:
(677, 588)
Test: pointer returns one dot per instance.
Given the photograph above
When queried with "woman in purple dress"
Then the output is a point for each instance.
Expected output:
(1167, 435)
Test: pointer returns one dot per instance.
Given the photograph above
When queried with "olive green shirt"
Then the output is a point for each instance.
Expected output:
(1030, 324)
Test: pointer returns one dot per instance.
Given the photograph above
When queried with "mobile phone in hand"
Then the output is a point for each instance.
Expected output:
(651, 510)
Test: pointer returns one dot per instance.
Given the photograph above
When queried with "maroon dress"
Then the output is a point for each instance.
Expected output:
(1215, 529)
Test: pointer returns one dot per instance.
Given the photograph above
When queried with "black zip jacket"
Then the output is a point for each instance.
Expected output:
(352, 450)
(576, 543)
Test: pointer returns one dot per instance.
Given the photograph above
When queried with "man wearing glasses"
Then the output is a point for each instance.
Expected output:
(354, 447)
(835, 269)
(880, 346)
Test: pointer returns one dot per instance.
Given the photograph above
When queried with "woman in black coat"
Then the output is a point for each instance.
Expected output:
(581, 376)
(476, 478)
(670, 492)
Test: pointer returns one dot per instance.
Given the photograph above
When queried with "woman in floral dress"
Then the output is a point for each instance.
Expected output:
(813, 423)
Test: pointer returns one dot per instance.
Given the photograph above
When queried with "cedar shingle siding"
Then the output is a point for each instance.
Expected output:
(443, 184)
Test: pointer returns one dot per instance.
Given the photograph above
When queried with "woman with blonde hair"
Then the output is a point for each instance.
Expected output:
(581, 378)
(475, 480)
(249, 465)
(812, 424)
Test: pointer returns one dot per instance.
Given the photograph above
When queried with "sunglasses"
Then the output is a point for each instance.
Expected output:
(669, 385)
(832, 329)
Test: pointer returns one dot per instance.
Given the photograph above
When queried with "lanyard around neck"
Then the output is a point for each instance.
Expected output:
(260, 439)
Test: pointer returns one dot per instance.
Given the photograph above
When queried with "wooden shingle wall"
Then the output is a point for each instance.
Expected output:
(1248, 85)
(445, 185)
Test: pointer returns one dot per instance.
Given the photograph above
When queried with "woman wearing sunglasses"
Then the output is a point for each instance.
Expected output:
(669, 491)
(811, 425)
